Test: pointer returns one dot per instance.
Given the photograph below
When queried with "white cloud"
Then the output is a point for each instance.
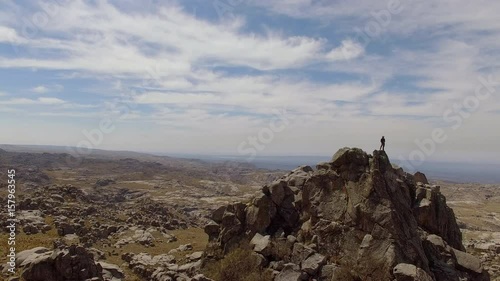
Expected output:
(9, 35)
(103, 39)
(26, 101)
(347, 51)
(175, 98)
(40, 89)
(50, 101)
(263, 94)
(68, 114)
(321, 10)
(430, 16)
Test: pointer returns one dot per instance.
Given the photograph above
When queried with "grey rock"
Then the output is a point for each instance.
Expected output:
(25, 257)
(420, 177)
(260, 213)
(291, 239)
(301, 253)
(111, 272)
(327, 272)
(409, 272)
(200, 277)
(291, 272)
(277, 190)
(358, 211)
(195, 256)
(468, 261)
(313, 263)
(261, 244)
(218, 214)
(73, 263)
(186, 247)
(212, 230)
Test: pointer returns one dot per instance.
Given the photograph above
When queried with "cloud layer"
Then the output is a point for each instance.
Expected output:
(175, 79)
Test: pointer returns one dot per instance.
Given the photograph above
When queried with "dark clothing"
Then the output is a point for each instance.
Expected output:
(382, 145)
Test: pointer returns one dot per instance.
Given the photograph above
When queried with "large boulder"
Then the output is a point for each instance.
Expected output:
(450, 264)
(111, 272)
(27, 256)
(261, 244)
(291, 272)
(313, 263)
(260, 213)
(470, 266)
(72, 263)
(409, 272)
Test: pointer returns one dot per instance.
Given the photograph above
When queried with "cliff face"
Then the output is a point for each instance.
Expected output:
(353, 218)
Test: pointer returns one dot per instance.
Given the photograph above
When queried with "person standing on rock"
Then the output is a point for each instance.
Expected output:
(382, 144)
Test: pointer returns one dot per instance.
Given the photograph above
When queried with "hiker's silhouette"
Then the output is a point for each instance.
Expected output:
(382, 144)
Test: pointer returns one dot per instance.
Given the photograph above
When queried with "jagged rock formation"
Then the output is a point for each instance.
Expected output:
(353, 218)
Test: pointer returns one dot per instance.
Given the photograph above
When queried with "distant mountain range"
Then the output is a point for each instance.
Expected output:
(447, 171)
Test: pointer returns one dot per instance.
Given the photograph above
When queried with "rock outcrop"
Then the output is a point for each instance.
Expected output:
(354, 218)
(164, 267)
(72, 263)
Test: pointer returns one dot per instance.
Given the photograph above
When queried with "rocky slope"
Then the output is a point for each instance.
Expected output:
(114, 218)
(354, 218)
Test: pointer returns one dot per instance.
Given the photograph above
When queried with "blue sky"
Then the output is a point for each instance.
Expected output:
(302, 77)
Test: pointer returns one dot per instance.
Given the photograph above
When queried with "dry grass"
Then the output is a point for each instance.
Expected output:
(484, 216)
(26, 242)
(476, 205)
(492, 206)
(62, 177)
(238, 265)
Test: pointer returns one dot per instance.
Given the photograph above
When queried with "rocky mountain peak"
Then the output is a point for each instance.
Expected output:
(354, 218)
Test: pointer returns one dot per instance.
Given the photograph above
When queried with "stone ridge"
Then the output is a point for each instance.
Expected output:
(354, 218)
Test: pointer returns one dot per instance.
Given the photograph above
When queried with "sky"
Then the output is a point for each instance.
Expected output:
(253, 77)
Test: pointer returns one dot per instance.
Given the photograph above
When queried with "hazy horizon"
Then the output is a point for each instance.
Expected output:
(243, 158)
(460, 172)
